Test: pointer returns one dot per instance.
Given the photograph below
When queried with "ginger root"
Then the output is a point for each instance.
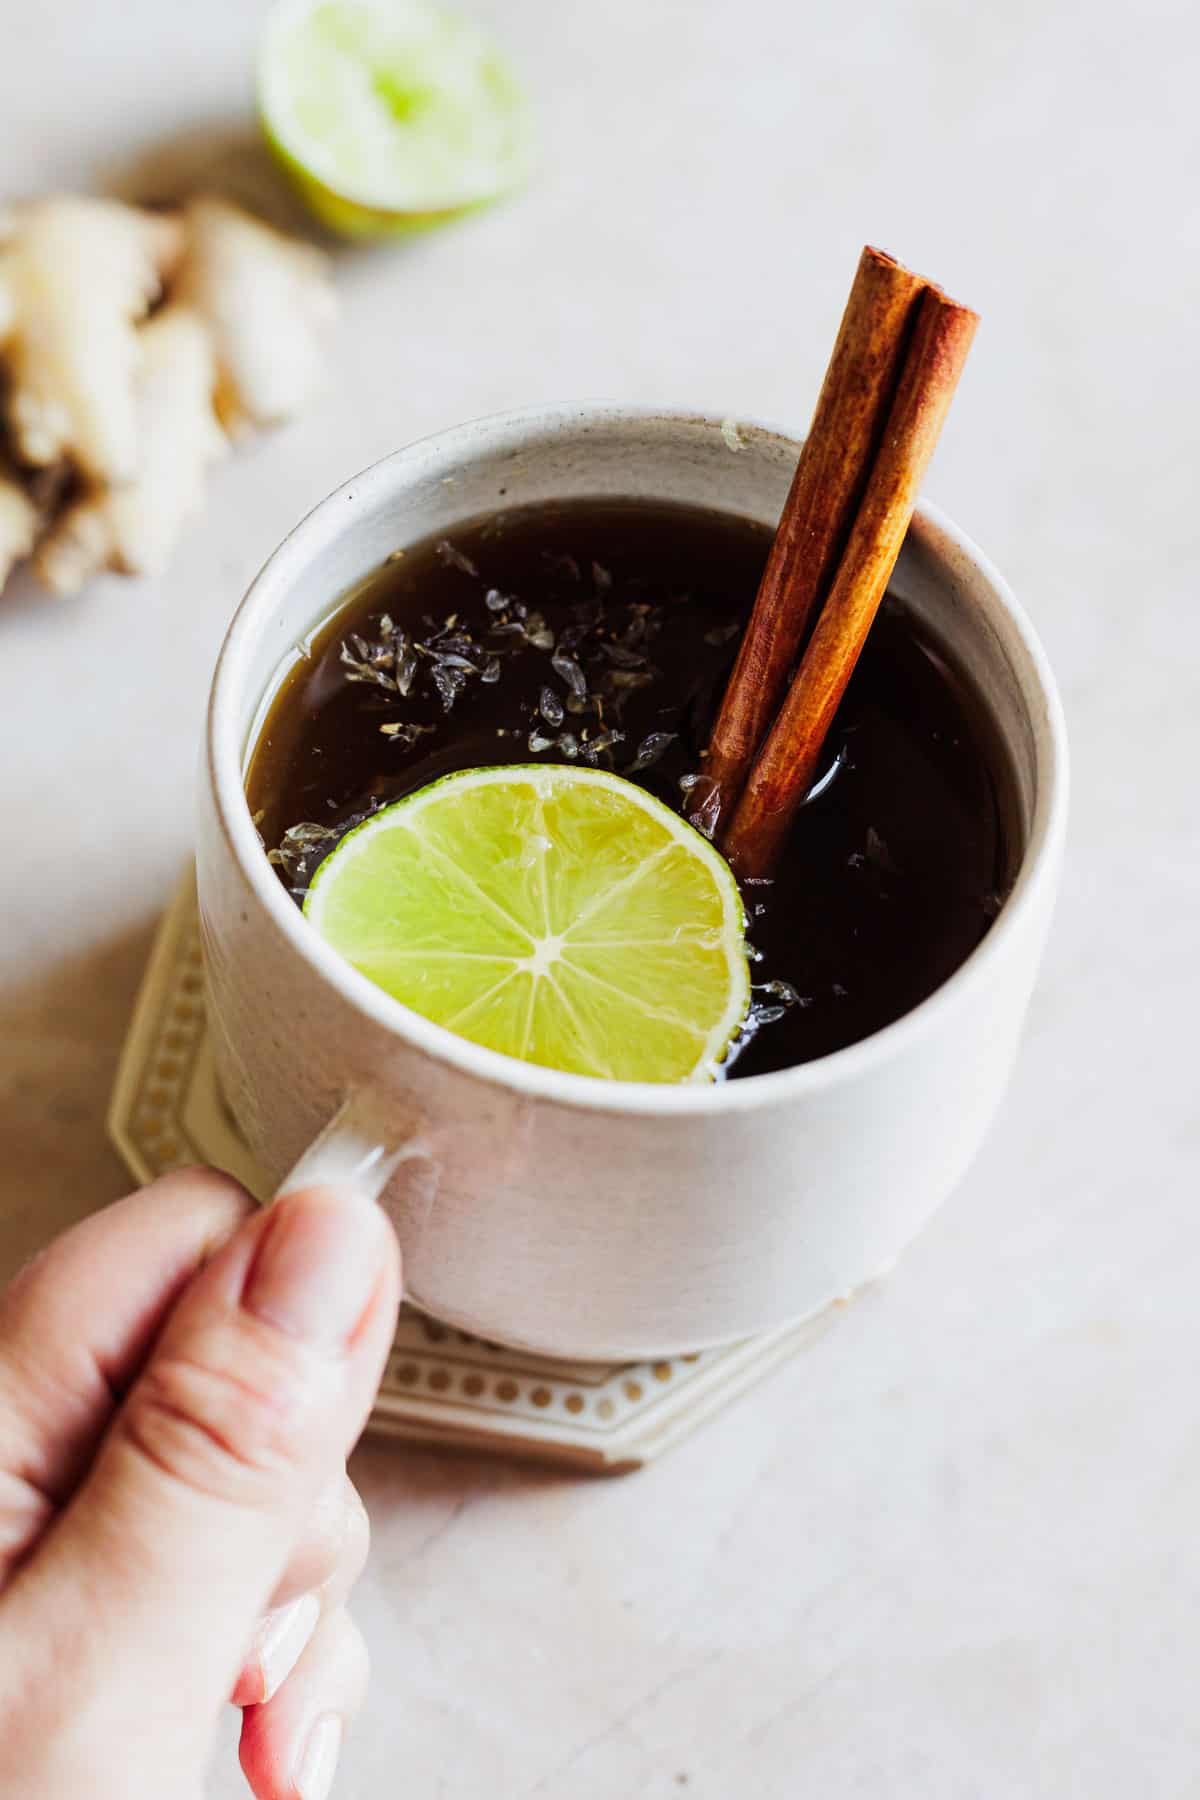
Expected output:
(75, 277)
(18, 525)
(133, 528)
(120, 407)
(266, 300)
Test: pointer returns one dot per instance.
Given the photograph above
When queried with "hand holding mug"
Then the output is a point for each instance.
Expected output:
(181, 1379)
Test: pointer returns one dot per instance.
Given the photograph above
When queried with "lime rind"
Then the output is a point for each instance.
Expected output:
(390, 115)
(560, 915)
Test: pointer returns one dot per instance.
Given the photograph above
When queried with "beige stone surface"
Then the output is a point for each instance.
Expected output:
(950, 1551)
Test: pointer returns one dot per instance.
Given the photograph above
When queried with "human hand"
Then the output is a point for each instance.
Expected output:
(181, 1379)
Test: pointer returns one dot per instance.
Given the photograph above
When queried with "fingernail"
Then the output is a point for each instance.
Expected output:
(281, 1641)
(317, 1264)
(318, 1765)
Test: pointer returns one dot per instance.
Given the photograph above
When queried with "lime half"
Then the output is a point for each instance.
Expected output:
(560, 915)
(390, 115)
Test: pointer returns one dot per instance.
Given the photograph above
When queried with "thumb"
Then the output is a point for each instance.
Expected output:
(256, 1390)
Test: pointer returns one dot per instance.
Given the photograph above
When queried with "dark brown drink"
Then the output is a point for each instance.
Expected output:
(603, 632)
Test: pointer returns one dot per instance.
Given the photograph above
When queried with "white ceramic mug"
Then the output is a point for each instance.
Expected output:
(577, 1216)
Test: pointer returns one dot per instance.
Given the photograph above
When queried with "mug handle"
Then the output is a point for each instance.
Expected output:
(363, 1143)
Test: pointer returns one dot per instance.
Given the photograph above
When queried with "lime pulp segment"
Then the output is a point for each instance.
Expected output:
(560, 915)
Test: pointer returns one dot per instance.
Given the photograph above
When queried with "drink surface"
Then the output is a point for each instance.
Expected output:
(602, 632)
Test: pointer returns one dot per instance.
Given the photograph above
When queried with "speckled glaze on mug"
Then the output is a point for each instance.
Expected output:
(590, 1218)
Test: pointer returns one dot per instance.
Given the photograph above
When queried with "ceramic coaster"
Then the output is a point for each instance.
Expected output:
(440, 1386)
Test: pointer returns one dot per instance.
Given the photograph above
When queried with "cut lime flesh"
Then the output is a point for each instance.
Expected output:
(560, 915)
(390, 115)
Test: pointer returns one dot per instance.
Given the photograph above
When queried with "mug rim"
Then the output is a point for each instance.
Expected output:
(224, 769)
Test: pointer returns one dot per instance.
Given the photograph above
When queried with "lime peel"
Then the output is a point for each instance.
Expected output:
(390, 115)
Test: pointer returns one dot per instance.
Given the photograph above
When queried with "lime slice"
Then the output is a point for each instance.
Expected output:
(560, 915)
(390, 115)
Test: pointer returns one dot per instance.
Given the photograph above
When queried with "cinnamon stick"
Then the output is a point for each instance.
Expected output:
(828, 484)
(787, 763)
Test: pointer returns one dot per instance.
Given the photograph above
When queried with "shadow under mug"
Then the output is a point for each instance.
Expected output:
(574, 1216)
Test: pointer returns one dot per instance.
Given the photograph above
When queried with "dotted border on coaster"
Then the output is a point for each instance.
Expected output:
(435, 1361)
(155, 1122)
